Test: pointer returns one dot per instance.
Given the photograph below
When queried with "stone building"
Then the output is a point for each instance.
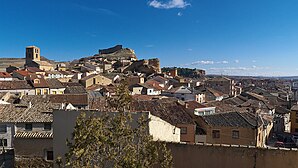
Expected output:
(95, 79)
(222, 84)
(33, 59)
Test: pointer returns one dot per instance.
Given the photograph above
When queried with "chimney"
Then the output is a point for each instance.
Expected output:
(30, 104)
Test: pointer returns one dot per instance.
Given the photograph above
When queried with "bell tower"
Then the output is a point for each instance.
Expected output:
(32, 54)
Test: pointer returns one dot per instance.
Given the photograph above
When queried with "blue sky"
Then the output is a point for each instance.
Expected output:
(230, 37)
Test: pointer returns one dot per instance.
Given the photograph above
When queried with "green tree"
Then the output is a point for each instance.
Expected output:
(110, 141)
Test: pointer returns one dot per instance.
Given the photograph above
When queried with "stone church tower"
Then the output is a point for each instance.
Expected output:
(32, 54)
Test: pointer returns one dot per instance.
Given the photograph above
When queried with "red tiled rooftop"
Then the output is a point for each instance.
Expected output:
(23, 72)
(5, 75)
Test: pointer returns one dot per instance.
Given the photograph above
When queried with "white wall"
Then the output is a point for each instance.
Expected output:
(162, 130)
(5, 79)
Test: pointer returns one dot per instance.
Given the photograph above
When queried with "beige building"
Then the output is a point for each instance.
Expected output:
(95, 79)
(233, 128)
(294, 119)
(222, 84)
(33, 59)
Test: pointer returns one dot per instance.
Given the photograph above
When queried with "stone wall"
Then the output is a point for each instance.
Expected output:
(226, 156)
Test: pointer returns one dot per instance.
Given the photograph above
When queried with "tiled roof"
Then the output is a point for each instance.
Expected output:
(23, 72)
(41, 81)
(13, 85)
(232, 119)
(34, 69)
(5, 75)
(10, 113)
(94, 87)
(74, 88)
(238, 100)
(53, 72)
(221, 106)
(54, 84)
(74, 99)
(167, 109)
(194, 105)
(216, 93)
(38, 135)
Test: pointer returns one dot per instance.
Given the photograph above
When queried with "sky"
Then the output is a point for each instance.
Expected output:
(228, 37)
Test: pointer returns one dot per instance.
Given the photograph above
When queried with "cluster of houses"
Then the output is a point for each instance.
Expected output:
(39, 103)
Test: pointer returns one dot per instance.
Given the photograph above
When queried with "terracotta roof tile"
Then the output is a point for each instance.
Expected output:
(5, 75)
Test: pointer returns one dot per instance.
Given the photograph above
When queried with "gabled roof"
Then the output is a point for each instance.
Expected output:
(159, 79)
(194, 105)
(232, 119)
(41, 81)
(54, 83)
(181, 89)
(167, 109)
(74, 99)
(39, 112)
(216, 93)
(34, 69)
(74, 88)
(22, 72)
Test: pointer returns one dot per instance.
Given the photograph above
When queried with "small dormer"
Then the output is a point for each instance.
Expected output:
(36, 81)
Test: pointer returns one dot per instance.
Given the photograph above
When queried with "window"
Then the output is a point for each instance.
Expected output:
(38, 92)
(235, 134)
(3, 129)
(183, 130)
(296, 120)
(49, 155)
(215, 134)
(3, 142)
(28, 127)
(47, 126)
(45, 91)
(54, 92)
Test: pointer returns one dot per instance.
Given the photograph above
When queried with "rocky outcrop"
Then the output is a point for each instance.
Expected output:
(145, 66)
